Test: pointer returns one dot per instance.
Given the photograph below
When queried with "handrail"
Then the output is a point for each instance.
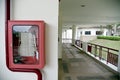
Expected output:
(111, 57)
(79, 43)
(104, 47)
(108, 54)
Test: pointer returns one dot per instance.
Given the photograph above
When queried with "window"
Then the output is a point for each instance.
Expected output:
(87, 32)
(98, 32)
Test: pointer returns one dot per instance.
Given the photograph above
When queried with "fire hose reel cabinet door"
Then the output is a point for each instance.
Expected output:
(26, 46)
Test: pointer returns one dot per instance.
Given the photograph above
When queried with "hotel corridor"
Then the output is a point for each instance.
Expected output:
(76, 65)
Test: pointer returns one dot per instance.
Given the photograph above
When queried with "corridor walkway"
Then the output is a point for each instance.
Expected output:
(76, 65)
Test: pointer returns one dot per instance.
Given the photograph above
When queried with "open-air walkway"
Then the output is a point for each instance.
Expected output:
(76, 65)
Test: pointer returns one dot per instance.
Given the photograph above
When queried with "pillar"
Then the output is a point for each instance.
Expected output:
(73, 34)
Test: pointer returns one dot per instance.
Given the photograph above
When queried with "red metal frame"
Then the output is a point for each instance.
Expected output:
(30, 71)
(41, 47)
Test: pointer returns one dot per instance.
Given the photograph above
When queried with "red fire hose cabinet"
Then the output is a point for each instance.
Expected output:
(26, 46)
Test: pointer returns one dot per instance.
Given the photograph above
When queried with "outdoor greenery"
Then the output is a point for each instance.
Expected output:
(107, 43)
(114, 38)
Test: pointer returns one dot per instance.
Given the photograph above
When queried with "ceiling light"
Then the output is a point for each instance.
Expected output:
(82, 5)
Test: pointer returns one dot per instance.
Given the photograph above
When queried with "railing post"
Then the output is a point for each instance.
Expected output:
(81, 44)
(84, 46)
(119, 63)
(108, 56)
(89, 47)
(100, 52)
(95, 51)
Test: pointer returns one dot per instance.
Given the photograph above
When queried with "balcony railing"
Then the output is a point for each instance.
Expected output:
(103, 53)
(79, 43)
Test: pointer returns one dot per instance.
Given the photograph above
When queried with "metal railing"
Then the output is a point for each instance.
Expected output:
(103, 53)
(108, 54)
(79, 43)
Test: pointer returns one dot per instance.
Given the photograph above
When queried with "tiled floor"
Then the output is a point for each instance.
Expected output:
(76, 65)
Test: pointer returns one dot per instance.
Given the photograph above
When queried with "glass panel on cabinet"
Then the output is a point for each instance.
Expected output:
(25, 44)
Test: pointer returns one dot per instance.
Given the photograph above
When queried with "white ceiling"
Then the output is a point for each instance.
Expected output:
(94, 12)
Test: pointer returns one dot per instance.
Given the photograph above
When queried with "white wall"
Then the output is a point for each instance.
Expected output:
(92, 36)
(93, 31)
(5, 73)
(46, 10)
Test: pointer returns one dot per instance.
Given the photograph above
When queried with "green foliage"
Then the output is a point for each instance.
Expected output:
(114, 38)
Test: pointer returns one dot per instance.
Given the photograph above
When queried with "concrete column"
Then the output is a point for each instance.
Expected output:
(78, 34)
(73, 33)
(119, 64)
(37, 10)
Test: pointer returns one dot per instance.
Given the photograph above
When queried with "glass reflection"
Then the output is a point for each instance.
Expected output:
(25, 44)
